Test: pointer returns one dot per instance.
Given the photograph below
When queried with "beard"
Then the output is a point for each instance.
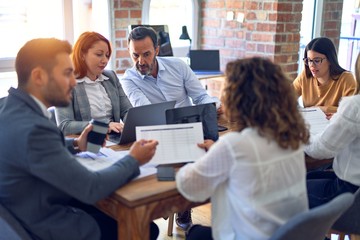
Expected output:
(55, 95)
(146, 69)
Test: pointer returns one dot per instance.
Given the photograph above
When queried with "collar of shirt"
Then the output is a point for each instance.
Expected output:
(87, 80)
(42, 107)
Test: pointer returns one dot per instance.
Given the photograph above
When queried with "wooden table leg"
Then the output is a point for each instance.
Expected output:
(133, 224)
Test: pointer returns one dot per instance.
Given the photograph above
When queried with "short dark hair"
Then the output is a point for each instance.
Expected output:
(39, 52)
(142, 32)
(324, 46)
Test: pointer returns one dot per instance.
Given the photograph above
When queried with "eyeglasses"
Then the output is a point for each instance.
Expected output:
(315, 61)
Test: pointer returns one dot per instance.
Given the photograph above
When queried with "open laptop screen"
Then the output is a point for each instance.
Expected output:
(146, 115)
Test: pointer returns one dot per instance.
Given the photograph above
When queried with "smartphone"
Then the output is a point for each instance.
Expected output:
(165, 173)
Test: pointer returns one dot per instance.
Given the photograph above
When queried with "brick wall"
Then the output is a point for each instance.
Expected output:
(125, 14)
(331, 24)
(271, 29)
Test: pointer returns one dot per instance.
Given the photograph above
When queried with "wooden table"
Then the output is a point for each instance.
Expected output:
(139, 202)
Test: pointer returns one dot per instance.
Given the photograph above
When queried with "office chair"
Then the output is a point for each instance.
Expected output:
(10, 228)
(315, 223)
(349, 222)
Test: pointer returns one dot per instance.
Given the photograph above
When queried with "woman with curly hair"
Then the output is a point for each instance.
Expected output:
(255, 176)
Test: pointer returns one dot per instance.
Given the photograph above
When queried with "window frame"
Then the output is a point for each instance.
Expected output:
(195, 20)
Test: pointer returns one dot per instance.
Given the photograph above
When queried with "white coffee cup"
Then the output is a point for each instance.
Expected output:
(97, 136)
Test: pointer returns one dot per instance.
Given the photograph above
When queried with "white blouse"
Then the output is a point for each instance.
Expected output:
(100, 103)
(254, 185)
(341, 140)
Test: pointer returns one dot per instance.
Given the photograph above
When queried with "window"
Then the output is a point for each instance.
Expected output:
(23, 20)
(311, 16)
(174, 13)
(349, 45)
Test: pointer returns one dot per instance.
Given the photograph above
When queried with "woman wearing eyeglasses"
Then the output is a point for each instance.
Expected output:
(323, 82)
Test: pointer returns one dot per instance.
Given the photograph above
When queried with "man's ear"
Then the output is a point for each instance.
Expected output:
(157, 50)
(38, 76)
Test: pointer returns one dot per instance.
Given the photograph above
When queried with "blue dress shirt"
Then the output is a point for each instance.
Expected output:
(175, 81)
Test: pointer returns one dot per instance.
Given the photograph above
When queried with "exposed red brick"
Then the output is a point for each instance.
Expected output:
(121, 13)
(271, 29)
(135, 13)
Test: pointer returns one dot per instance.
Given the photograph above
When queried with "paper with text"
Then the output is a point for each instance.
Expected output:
(316, 118)
(106, 157)
(177, 142)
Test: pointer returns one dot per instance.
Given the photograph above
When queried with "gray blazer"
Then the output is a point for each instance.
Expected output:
(74, 118)
(39, 176)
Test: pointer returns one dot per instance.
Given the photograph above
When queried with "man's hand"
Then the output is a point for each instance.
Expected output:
(143, 150)
(206, 144)
(81, 141)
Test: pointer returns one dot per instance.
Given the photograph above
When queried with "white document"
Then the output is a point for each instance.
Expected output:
(177, 142)
(106, 157)
(316, 118)
(97, 161)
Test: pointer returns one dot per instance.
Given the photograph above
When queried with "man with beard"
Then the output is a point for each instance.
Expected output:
(41, 182)
(155, 79)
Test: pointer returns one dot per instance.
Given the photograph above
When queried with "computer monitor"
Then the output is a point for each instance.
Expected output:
(205, 113)
(205, 61)
(163, 38)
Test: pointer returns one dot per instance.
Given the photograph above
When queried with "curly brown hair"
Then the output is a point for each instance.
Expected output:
(258, 94)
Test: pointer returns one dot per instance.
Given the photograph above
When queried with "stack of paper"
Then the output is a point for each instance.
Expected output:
(106, 157)
(316, 118)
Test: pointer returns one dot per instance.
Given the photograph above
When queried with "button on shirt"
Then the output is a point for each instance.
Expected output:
(100, 104)
(175, 81)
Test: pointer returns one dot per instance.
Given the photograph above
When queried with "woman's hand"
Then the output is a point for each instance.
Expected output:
(116, 127)
(206, 144)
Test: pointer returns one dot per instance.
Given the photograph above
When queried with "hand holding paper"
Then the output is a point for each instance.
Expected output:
(177, 142)
(143, 150)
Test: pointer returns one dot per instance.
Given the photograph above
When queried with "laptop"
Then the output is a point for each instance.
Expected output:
(205, 62)
(205, 113)
(146, 115)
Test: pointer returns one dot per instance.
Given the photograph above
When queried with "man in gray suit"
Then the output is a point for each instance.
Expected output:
(41, 182)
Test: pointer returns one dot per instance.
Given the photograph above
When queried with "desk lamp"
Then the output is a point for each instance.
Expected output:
(185, 36)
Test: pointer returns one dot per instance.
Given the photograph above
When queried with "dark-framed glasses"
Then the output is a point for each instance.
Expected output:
(315, 61)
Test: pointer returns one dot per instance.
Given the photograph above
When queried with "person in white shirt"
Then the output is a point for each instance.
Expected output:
(155, 79)
(339, 140)
(255, 177)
